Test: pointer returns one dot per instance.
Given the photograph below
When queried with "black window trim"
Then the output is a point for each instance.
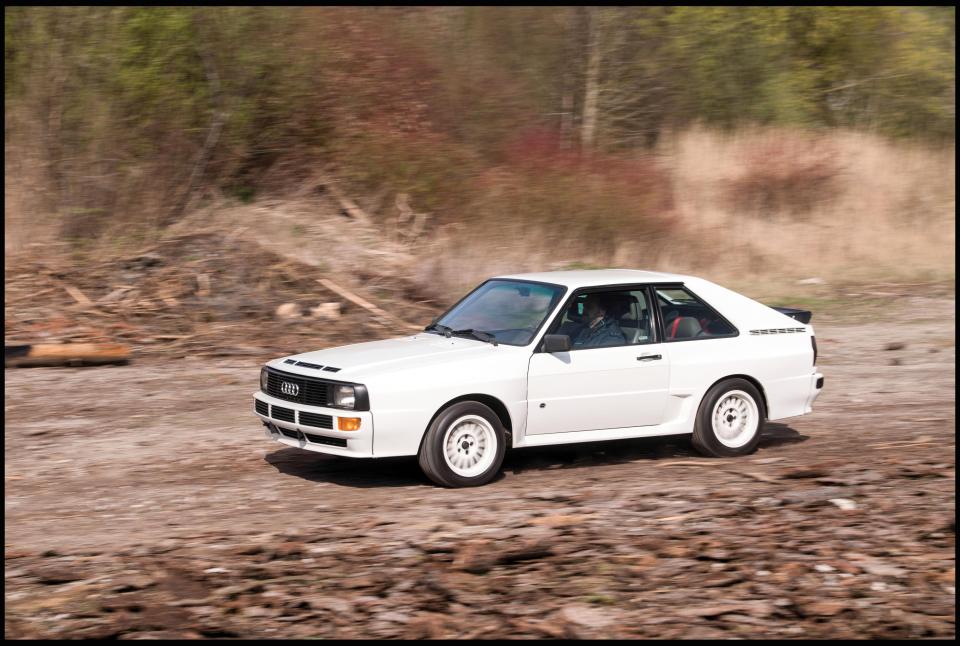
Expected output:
(533, 337)
(659, 314)
(628, 287)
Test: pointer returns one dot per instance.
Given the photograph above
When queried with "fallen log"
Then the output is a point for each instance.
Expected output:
(353, 298)
(64, 354)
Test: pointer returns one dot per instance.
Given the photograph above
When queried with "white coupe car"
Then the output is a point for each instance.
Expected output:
(552, 358)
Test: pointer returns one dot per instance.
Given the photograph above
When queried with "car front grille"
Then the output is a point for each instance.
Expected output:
(329, 441)
(318, 421)
(261, 406)
(313, 439)
(283, 414)
(302, 390)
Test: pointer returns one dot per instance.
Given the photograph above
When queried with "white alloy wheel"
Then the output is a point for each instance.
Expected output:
(469, 446)
(735, 419)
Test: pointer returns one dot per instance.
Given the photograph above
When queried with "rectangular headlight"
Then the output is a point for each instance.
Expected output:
(263, 379)
(344, 397)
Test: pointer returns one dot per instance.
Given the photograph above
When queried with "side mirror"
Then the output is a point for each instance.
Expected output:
(556, 343)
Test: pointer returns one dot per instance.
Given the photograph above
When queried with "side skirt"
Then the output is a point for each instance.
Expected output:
(547, 439)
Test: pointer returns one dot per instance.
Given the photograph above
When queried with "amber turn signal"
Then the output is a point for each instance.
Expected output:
(348, 423)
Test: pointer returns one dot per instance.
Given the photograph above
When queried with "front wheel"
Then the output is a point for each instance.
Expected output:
(464, 446)
(729, 420)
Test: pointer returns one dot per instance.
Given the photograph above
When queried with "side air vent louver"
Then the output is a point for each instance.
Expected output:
(782, 330)
(309, 365)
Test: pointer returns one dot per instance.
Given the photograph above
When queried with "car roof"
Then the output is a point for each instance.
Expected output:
(596, 277)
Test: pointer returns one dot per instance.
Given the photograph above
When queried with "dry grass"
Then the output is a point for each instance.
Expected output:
(890, 214)
(885, 212)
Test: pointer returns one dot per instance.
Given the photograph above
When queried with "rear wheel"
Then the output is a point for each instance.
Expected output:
(730, 419)
(464, 446)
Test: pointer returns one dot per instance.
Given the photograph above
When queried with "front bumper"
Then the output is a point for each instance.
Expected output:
(301, 435)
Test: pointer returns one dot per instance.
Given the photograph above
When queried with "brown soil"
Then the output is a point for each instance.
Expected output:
(145, 501)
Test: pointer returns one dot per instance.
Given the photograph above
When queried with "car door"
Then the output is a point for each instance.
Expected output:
(593, 388)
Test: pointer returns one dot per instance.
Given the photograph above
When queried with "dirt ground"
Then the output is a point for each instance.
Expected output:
(145, 501)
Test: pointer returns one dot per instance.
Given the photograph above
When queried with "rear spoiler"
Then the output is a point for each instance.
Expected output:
(801, 315)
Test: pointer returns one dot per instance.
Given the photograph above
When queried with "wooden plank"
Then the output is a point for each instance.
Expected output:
(64, 354)
(353, 298)
(77, 295)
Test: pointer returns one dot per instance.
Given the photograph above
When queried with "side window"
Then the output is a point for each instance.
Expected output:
(607, 319)
(686, 317)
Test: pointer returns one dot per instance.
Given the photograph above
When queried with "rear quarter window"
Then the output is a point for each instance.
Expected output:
(686, 317)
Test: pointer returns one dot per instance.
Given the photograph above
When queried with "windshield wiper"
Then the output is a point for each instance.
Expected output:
(486, 337)
(442, 329)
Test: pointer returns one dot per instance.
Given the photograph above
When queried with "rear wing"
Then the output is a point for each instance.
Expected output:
(800, 315)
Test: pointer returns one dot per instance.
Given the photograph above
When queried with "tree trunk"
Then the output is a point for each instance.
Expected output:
(592, 86)
(570, 48)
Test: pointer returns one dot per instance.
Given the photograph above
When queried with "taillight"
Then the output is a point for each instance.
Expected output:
(813, 342)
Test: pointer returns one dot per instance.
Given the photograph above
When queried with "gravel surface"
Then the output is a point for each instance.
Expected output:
(144, 501)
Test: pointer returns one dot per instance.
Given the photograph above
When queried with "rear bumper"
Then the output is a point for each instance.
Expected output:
(357, 444)
(816, 387)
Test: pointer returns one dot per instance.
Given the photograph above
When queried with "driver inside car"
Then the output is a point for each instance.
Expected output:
(600, 330)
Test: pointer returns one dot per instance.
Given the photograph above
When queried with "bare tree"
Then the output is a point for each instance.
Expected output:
(591, 92)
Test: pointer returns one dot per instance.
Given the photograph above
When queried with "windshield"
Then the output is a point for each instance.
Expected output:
(510, 310)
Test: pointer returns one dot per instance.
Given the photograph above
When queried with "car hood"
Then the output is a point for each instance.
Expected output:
(360, 360)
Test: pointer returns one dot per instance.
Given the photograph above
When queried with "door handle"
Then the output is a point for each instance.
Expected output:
(649, 357)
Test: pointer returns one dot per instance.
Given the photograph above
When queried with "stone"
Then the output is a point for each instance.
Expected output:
(288, 549)
(132, 583)
(289, 311)
(825, 608)
(327, 311)
(755, 608)
(804, 472)
(844, 503)
(476, 556)
(248, 549)
(878, 568)
(324, 602)
(588, 616)
(55, 574)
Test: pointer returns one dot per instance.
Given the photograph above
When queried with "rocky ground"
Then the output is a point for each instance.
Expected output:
(144, 501)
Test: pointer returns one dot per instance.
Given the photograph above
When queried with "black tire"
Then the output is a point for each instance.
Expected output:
(705, 438)
(431, 456)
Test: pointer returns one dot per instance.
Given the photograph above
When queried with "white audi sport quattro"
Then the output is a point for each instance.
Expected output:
(552, 358)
